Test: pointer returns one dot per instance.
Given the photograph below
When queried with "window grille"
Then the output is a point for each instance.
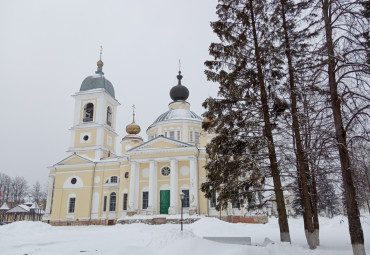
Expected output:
(125, 201)
(186, 201)
(112, 202)
(145, 199)
(105, 204)
(71, 206)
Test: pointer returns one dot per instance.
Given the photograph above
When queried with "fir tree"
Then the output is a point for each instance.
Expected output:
(243, 152)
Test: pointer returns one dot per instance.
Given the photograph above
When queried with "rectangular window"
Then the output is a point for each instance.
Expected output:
(191, 136)
(196, 136)
(172, 134)
(235, 199)
(105, 204)
(125, 201)
(212, 200)
(166, 134)
(178, 135)
(112, 202)
(71, 205)
(145, 199)
(186, 201)
(114, 179)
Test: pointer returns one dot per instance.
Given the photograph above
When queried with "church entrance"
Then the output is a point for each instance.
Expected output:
(164, 201)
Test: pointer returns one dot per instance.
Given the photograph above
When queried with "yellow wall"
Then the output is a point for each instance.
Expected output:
(90, 154)
(112, 135)
(92, 141)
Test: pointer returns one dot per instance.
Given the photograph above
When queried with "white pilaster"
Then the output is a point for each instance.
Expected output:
(185, 135)
(100, 110)
(152, 204)
(174, 196)
(132, 193)
(193, 192)
(50, 196)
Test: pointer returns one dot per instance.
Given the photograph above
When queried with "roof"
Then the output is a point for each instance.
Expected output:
(4, 207)
(19, 209)
(158, 138)
(97, 81)
(177, 114)
(25, 209)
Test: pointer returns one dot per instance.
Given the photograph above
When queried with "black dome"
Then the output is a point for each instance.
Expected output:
(179, 92)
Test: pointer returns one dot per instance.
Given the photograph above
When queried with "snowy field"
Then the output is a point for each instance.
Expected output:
(39, 238)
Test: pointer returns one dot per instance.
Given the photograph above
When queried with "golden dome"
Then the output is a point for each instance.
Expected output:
(100, 63)
(133, 128)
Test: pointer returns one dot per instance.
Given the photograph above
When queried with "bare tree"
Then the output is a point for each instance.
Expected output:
(5, 187)
(37, 193)
(344, 51)
(19, 187)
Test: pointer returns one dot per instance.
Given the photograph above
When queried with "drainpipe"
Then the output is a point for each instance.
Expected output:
(92, 192)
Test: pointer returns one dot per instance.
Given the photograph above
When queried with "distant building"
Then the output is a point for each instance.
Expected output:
(23, 212)
(288, 197)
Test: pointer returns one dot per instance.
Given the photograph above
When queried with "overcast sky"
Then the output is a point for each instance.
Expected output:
(47, 48)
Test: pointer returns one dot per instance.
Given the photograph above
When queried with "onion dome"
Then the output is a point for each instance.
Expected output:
(133, 128)
(98, 81)
(179, 92)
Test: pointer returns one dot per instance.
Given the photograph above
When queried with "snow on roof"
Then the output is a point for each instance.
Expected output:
(26, 209)
(4, 207)
(19, 209)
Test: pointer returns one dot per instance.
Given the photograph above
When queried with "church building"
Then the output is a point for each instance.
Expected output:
(94, 185)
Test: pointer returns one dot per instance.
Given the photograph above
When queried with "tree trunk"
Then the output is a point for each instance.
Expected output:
(315, 213)
(355, 229)
(306, 203)
(280, 202)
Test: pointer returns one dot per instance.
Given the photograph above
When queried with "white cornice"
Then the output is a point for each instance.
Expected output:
(162, 159)
(150, 151)
(175, 122)
(159, 139)
(93, 125)
(97, 92)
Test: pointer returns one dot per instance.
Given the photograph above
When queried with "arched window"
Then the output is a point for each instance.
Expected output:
(112, 202)
(109, 116)
(88, 115)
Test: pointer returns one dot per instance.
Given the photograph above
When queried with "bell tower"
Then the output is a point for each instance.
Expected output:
(93, 132)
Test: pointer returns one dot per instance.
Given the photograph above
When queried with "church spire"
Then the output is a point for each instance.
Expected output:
(179, 76)
(100, 63)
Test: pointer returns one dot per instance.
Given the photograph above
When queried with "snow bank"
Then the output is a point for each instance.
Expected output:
(41, 239)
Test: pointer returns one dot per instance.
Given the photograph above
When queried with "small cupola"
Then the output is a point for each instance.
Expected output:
(179, 92)
(133, 128)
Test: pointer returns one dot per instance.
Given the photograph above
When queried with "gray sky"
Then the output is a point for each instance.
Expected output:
(48, 47)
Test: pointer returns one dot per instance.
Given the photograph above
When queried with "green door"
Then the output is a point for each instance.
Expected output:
(164, 201)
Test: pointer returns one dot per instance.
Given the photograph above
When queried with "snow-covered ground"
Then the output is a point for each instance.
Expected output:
(39, 238)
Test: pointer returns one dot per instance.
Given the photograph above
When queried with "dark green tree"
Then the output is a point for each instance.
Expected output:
(247, 69)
